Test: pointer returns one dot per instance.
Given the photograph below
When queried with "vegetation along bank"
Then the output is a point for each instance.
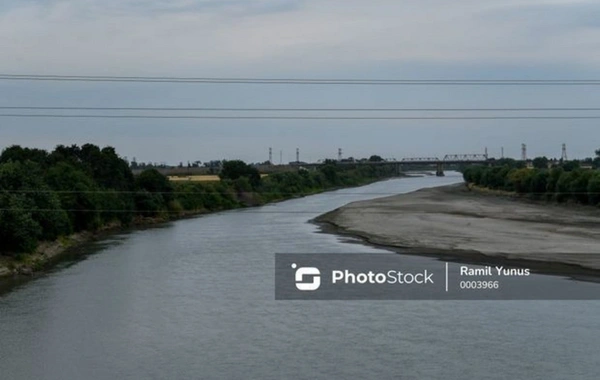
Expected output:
(50, 201)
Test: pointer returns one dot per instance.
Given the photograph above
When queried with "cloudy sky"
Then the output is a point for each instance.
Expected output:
(378, 39)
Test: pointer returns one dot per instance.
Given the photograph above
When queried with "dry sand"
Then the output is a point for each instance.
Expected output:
(455, 221)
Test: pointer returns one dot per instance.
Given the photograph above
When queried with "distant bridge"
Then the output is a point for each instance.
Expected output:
(439, 164)
(449, 159)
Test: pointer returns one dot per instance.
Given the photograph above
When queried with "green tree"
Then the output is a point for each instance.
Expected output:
(563, 186)
(539, 183)
(330, 173)
(596, 160)
(578, 187)
(520, 180)
(19, 232)
(236, 168)
(540, 162)
(553, 177)
(570, 165)
(18, 154)
(154, 192)
(593, 189)
(78, 194)
(28, 201)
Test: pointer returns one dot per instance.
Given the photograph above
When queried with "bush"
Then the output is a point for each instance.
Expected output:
(579, 185)
(235, 169)
(520, 180)
(593, 189)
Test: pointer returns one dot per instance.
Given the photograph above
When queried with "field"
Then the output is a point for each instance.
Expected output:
(199, 178)
(195, 178)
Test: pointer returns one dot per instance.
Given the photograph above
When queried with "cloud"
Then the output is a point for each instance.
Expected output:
(187, 36)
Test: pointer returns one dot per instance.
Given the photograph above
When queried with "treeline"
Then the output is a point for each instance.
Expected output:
(562, 183)
(241, 185)
(45, 195)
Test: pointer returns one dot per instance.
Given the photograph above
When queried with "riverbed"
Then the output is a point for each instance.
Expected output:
(467, 223)
(195, 299)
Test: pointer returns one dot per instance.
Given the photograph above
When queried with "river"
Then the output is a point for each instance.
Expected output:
(194, 299)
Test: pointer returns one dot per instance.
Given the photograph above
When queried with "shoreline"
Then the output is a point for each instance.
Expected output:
(476, 227)
(49, 253)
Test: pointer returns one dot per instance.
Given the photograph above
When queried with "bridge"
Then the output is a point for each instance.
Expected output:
(449, 159)
(401, 165)
(439, 164)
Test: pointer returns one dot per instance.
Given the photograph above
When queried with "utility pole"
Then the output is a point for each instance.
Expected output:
(297, 155)
(501, 152)
(270, 156)
(339, 154)
(523, 152)
(280, 157)
(486, 153)
(564, 152)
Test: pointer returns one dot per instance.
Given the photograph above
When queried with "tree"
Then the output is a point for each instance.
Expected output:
(19, 154)
(495, 177)
(539, 183)
(78, 194)
(579, 185)
(520, 179)
(29, 203)
(236, 168)
(593, 189)
(511, 163)
(563, 186)
(540, 162)
(18, 231)
(570, 165)
(154, 192)
(375, 158)
(330, 173)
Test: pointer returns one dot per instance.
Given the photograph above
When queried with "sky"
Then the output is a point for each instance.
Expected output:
(345, 39)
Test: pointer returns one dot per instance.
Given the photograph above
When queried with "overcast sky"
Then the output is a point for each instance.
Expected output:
(378, 39)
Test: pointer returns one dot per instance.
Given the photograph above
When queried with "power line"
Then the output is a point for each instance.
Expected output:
(294, 81)
(219, 109)
(247, 210)
(88, 116)
(33, 191)
(244, 209)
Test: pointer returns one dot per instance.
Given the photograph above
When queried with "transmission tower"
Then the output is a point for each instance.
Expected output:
(564, 152)
(523, 152)
(486, 153)
(297, 154)
(339, 154)
(502, 152)
(271, 156)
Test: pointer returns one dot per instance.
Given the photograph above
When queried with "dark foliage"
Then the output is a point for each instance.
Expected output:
(47, 195)
(566, 182)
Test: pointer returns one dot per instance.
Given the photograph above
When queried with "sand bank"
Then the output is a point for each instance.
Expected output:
(459, 222)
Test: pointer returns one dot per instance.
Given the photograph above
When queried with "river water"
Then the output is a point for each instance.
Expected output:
(194, 299)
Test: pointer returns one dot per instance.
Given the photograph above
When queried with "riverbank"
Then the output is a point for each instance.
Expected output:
(473, 225)
(48, 253)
